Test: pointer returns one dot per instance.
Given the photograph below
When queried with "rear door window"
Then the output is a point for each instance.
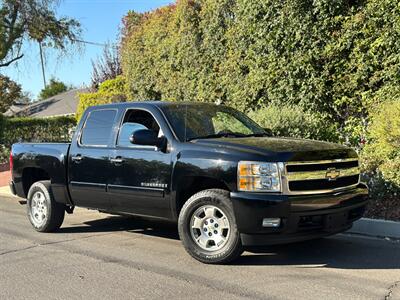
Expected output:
(98, 128)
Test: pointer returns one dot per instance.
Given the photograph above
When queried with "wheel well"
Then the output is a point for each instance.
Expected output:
(32, 175)
(194, 185)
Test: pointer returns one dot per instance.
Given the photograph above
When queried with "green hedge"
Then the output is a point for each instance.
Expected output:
(381, 154)
(13, 130)
(337, 58)
(293, 121)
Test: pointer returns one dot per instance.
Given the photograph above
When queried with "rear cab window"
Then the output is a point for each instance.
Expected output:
(98, 128)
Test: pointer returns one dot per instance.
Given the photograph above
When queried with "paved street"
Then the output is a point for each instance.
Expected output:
(97, 256)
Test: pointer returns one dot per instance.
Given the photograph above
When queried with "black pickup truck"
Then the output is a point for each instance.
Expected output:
(211, 169)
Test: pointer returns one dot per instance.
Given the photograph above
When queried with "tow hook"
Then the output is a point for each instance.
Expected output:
(69, 209)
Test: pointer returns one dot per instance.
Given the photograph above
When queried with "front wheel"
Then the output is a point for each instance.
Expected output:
(44, 213)
(207, 227)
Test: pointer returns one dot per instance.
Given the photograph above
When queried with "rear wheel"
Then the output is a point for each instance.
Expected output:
(44, 213)
(207, 227)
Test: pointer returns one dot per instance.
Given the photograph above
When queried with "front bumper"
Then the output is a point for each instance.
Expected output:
(303, 217)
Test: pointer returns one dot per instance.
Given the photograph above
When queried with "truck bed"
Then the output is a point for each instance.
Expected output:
(43, 161)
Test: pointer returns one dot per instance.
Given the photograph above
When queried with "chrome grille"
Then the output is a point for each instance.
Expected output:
(316, 177)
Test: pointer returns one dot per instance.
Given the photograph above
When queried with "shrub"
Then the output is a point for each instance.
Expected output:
(381, 154)
(2, 120)
(293, 121)
(113, 90)
(57, 129)
(4, 154)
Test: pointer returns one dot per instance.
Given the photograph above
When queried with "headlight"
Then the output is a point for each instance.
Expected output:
(258, 177)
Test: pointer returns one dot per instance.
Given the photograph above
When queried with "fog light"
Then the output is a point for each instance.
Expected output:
(271, 222)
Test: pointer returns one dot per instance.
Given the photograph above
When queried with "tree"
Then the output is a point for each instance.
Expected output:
(108, 66)
(33, 20)
(55, 87)
(10, 92)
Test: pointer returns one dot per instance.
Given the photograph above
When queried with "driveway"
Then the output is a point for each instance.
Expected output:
(98, 256)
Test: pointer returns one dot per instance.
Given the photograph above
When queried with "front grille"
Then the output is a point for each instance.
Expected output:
(321, 176)
(304, 167)
(322, 184)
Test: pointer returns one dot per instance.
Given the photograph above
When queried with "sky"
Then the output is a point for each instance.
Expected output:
(100, 20)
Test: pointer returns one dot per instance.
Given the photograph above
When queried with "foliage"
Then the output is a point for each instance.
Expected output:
(335, 59)
(2, 124)
(224, 122)
(33, 20)
(4, 150)
(10, 92)
(106, 67)
(55, 87)
(112, 90)
(4, 154)
(55, 129)
(293, 121)
(381, 155)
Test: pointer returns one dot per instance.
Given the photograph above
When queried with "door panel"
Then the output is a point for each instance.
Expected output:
(89, 161)
(140, 184)
(88, 177)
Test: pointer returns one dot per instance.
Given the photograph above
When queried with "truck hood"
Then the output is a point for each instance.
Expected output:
(287, 149)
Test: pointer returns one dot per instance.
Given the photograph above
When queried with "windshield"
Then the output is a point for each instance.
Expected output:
(196, 121)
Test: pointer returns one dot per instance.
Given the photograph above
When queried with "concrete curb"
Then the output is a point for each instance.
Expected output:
(376, 228)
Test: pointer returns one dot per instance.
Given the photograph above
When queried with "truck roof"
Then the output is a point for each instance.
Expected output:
(151, 103)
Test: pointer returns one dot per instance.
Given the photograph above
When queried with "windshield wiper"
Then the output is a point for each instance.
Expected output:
(258, 134)
(217, 135)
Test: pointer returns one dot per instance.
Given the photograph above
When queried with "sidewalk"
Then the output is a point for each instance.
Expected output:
(5, 178)
(5, 191)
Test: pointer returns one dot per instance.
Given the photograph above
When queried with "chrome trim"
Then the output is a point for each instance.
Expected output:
(321, 174)
(136, 147)
(88, 184)
(286, 177)
(313, 162)
(136, 188)
(326, 191)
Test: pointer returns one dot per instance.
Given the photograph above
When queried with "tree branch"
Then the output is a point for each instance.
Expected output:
(11, 61)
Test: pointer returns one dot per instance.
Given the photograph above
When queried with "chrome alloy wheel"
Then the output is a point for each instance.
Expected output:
(210, 228)
(39, 208)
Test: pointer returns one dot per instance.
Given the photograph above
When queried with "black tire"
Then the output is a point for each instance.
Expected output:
(231, 249)
(54, 211)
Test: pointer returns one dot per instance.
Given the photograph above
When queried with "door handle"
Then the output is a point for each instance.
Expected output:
(117, 160)
(78, 158)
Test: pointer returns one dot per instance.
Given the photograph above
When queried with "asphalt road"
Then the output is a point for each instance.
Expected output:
(97, 256)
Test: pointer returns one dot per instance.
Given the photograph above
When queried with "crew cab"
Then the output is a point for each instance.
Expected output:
(221, 177)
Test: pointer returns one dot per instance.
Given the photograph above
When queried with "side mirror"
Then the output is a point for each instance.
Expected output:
(146, 137)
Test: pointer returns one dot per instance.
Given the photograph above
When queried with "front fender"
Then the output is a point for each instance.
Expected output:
(193, 164)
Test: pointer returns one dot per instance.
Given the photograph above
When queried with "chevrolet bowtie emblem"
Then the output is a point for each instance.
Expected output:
(332, 174)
